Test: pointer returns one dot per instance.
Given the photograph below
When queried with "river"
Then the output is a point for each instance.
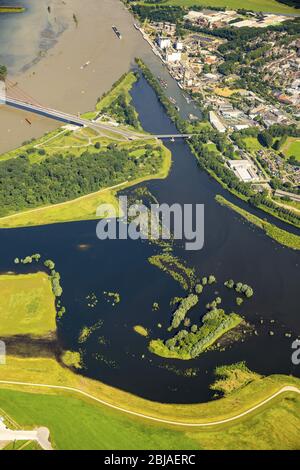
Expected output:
(114, 353)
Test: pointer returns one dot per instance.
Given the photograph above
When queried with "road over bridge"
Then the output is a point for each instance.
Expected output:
(82, 122)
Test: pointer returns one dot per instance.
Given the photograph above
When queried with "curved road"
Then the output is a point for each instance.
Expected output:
(152, 418)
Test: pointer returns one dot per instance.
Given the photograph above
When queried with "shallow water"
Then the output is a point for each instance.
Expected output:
(24, 37)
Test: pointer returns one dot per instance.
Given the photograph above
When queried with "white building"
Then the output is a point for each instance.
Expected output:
(216, 122)
(163, 43)
(172, 56)
(243, 169)
(178, 46)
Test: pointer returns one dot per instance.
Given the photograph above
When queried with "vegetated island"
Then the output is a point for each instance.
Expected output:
(283, 237)
(193, 338)
(11, 9)
(87, 167)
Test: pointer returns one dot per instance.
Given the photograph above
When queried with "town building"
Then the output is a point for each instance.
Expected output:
(172, 56)
(216, 122)
(243, 169)
(163, 42)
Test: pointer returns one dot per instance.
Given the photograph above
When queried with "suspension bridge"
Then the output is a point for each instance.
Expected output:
(16, 98)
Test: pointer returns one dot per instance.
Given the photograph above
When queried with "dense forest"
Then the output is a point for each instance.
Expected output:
(60, 178)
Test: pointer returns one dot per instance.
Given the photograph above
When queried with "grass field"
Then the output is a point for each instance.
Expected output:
(26, 305)
(226, 92)
(291, 148)
(252, 144)
(76, 424)
(271, 6)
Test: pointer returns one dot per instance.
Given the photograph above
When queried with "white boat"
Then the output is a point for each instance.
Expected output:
(85, 65)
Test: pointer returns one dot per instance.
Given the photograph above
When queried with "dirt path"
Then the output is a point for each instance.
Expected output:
(152, 418)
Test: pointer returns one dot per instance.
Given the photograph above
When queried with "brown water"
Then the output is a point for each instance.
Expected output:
(57, 80)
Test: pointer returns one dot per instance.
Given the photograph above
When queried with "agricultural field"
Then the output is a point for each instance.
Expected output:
(268, 6)
(27, 305)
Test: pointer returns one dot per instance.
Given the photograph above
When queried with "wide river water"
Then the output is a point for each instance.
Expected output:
(114, 353)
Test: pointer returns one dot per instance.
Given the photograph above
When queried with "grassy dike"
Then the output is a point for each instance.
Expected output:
(78, 422)
(281, 236)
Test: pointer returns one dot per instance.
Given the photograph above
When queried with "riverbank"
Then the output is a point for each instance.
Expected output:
(281, 236)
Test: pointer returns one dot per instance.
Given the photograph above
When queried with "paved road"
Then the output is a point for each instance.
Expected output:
(152, 418)
(40, 435)
(78, 120)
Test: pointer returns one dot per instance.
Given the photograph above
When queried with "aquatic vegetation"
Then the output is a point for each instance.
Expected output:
(141, 330)
(176, 268)
(71, 359)
(240, 288)
(198, 289)
(28, 259)
(92, 300)
(86, 331)
(113, 297)
(49, 264)
(185, 305)
(233, 377)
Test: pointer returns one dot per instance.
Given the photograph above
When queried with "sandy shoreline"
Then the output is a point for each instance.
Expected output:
(57, 80)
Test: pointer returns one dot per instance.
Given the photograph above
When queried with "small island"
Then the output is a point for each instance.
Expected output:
(12, 9)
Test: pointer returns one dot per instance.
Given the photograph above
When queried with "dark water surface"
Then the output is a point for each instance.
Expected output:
(114, 353)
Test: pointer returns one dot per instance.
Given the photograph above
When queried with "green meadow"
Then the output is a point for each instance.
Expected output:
(26, 305)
